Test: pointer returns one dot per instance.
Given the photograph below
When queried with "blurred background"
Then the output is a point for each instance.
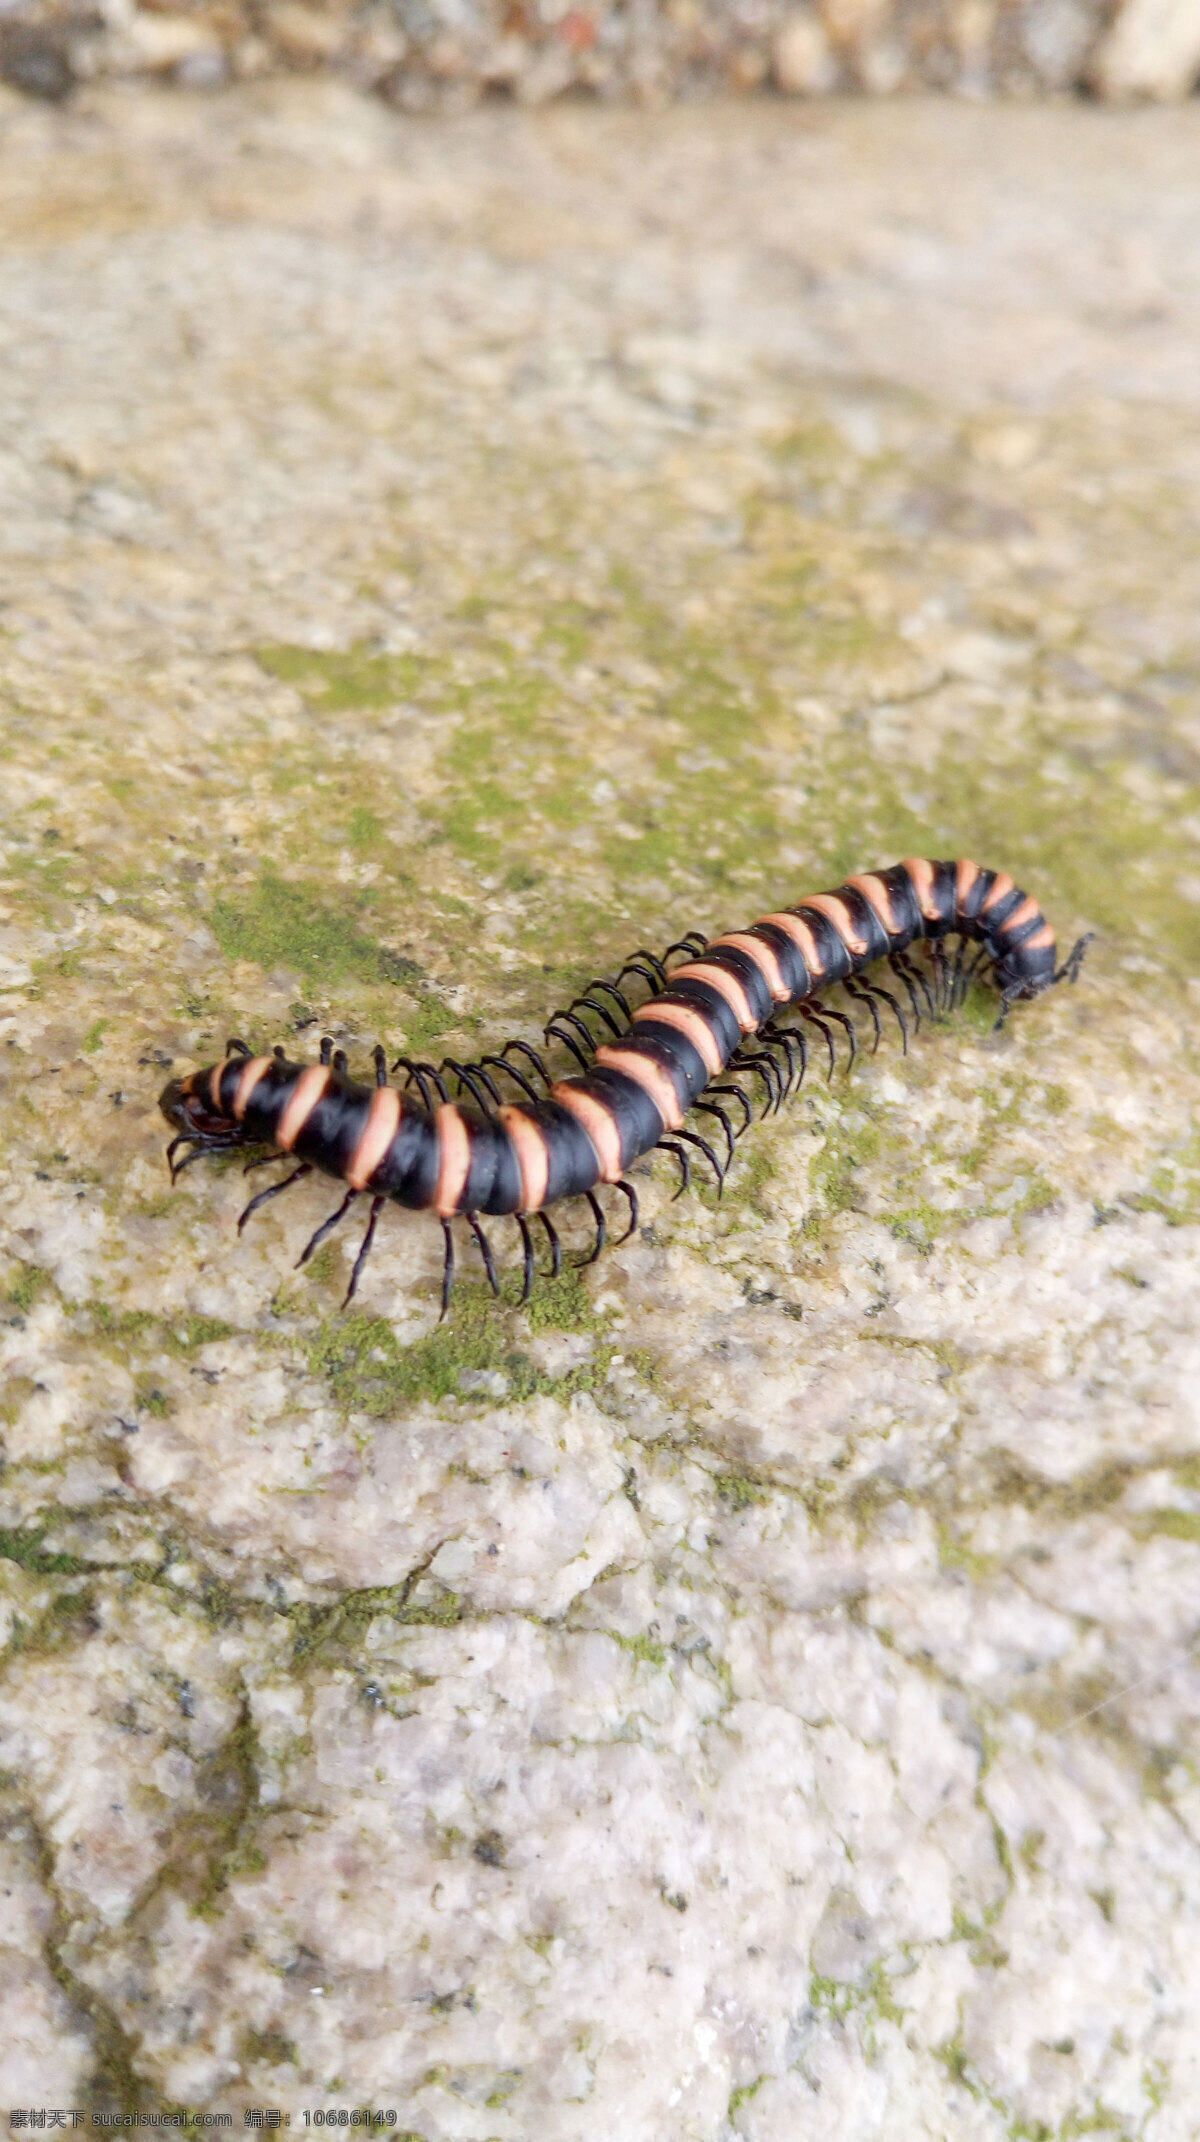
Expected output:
(444, 55)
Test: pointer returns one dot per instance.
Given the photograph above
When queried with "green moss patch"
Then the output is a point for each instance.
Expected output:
(370, 1372)
(282, 922)
(341, 682)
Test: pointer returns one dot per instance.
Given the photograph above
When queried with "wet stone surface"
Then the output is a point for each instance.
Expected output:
(750, 1691)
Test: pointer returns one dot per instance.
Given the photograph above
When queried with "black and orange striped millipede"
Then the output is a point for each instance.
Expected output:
(642, 1068)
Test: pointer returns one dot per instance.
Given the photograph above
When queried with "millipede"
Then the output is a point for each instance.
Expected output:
(709, 1022)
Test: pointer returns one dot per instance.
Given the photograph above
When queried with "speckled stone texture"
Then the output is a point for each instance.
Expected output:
(750, 1692)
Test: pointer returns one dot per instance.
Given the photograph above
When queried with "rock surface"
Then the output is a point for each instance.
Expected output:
(750, 1692)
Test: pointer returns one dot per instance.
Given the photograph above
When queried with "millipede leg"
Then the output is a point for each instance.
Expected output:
(693, 944)
(859, 994)
(527, 1248)
(447, 1269)
(654, 975)
(712, 1108)
(843, 1019)
(555, 1245)
(418, 1073)
(982, 959)
(876, 989)
(628, 1191)
(668, 1145)
(203, 1146)
(1007, 1000)
(815, 1019)
(792, 1039)
(911, 973)
(752, 1060)
(533, 1057)
(252, 1166)
(611, 989)
(377, 1205)
(326, 1227)
(326, 1048)
(1069, 971)
(601, 1230)
(512, 1072)
(735, 1093)
(905, 975)
(379, 1059)
(183, 1139)
(601, 1010)
(703, 1146)
(466, 1074)
(773, 1038)
(784, 1068)
(559, 1033)
(235, 1046)
(264, 1196)
(485, 1251)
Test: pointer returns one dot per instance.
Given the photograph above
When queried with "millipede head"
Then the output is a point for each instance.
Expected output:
(193, 1122)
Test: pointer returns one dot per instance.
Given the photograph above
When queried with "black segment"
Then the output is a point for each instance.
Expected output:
(493, 1181)
(574, 1168)
(977, 894)
(409, 1169)
(747, 971)
(269, 1099)
(639, 1124)
(230, 1080)
(673, 1053)
(330, 1137)
(943, 896)
(866, 925)
(1034, 969)
(993, 922)
(904, 905)
(834, 954)
(719, 1017)
(790, 958)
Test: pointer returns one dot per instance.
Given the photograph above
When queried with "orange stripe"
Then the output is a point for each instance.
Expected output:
(1044, 938)
(764, 959)
(803, 939)
(689, 1022)
(257, 1067)
(533, 1157)
(383, 1121)
(310, 1085)
(842, 920)
(726, 985)
(214, 1086)
(968, 874)
(1000, 891)
(921, 873)
(650, 1077)
(600, 1124)
(1025, 913)
(454, 1159)
(876, 892)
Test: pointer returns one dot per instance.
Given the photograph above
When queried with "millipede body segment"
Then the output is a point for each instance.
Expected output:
(641, 1072)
